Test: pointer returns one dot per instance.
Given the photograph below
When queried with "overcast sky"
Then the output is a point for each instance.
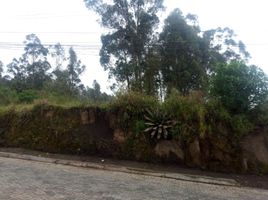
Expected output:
(71, 23)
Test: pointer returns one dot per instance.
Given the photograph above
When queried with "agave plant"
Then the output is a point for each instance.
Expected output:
(158, 124)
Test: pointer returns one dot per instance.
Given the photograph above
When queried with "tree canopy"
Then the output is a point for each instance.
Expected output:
(131, 24)
(184, 54)
(180, 56)
(142, 56)
(1, 68)
(238, 86)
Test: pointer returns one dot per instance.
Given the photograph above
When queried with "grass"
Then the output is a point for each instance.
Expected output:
(16, 107)
(68, 103)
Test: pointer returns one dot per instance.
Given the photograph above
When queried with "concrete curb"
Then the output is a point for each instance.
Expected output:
(116, 168)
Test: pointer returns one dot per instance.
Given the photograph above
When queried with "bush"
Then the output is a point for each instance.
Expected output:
(239, 87)
(259, 115)
(134, 104)
(221, 122)
(189, 111)
(131, 107)
(27, 96)
(198, 117)
(7, 96)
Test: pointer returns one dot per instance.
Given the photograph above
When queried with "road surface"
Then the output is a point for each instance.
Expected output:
(28, 180)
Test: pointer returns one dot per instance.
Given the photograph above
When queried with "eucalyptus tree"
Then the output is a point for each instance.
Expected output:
(184, 54)
(60, 82)
(17, 70)
(94, 93)
(74, 69)
(189, 56)
(1, 68)
(132, 25)
(224, 41)
(57, 52)
(35, 59)
(4, 79)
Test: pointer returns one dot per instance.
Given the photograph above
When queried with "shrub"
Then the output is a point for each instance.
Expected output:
(198, 117)
(189, 111)
(7, 96)
(131, 107)
(259, 115)
(27, 96)
(239, 87)
(134, 102)
(139, 127)
(221, 122)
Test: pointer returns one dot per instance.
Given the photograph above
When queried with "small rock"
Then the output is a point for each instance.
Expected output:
(119, 136)
(195, 154)
(166, 148)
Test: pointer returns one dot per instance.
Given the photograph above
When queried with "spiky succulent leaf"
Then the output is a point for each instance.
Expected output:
(159, 124)
(148, 118)
(150, 124)
(158, 136)
(148, 129)
(153, 134)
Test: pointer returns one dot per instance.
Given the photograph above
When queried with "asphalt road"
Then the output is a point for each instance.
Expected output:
(28, 180)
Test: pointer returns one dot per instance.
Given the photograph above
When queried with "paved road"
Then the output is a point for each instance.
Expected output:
(27, 180)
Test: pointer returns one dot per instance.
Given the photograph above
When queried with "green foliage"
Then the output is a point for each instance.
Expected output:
(181, 57)
(7, 96)
(139, 127)
(199, 118)
(27, 96)
(52, 129)
(189, 111)
(223, 123)
(134, 103)
(239, 87)
(58, 53)
(95, 95)
(74, 69)
(58, 99)
(259, 115)
(124, 48)
(131, 107)
(35, 61)
(225, 45)
(32, 71)
(184, 54)
(60, 84)
(18, 70)
(1, 68)
(241, 126)
(138, 148)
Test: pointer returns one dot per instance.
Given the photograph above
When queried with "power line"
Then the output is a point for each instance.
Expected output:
(98, 45)
(82, 48)
(45, 16)
(83, 45)
(47, 32)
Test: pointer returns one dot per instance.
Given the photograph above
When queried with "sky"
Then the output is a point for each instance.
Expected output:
(72, 24)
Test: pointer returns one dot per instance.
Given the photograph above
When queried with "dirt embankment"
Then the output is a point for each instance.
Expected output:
(96, 131)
